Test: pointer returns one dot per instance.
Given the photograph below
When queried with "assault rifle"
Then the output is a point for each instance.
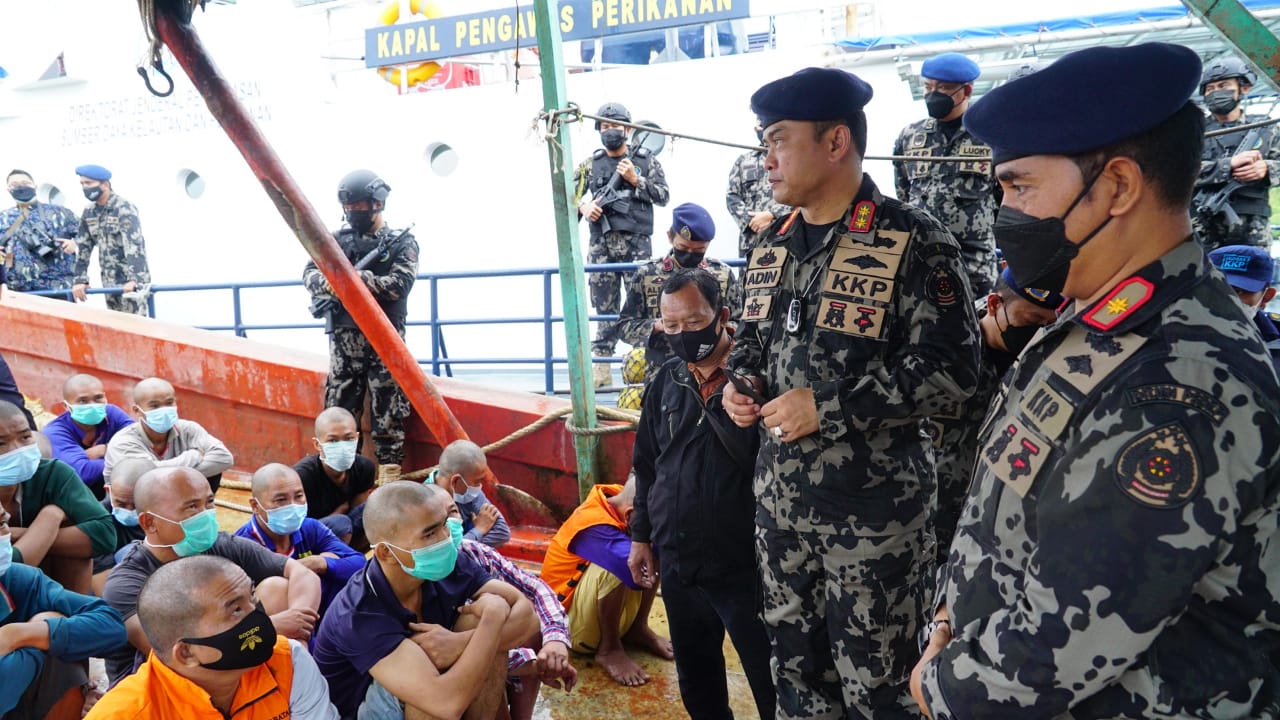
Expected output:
(323, 304)
(609, 197)
(1219, 203)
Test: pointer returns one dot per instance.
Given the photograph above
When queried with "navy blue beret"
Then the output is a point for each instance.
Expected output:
(950, 67)
(692, 222)
(1044, 298)
(1086, 100)
(94, 172)
(811, 94)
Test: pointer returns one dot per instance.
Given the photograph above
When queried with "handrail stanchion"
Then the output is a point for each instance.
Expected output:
(302, 218)
(434, 291)
(235, 310)
(548, 367)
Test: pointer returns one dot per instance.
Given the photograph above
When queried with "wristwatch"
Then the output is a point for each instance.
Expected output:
(926, 632)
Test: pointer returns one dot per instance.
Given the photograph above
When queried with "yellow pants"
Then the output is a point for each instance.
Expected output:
(584, 608)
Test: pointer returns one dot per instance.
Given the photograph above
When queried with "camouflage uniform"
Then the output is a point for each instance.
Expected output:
(961, 195)
(1116, 556)
(115, 230)
(635, 323)
(885, 338)
(42, 225)
(749, 192)
(353, 364)
(1252, 201)
(628, 241)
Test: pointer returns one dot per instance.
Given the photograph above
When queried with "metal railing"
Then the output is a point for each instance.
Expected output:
(439, 362)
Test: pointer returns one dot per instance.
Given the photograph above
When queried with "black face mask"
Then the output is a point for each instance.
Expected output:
(939, 104)
(1015, 337)
(613, 139)
(23, 193)
(694, 346)
(361, 220)
(1221, 102)
(1037, 249)
(248, 644)
(92, 193)
(688, 259)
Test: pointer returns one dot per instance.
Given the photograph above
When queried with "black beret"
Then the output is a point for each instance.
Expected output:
(811, 94)
(692, 222)
(1086, 100)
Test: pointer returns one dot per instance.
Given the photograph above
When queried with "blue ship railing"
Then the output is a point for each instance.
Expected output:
(439, 361)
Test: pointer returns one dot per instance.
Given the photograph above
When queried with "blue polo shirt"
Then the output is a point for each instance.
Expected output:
(366, 623)
(67, 440)
(313, 538)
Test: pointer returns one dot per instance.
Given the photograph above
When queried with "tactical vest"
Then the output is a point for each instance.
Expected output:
(396, 310)
(562, 569)
(638, 219)
(1250, 198)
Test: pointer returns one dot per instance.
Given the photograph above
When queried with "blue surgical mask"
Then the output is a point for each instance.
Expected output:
(6, 553)
(17, 466)
(200, 532)
(339, 454)
(472, 494)
(89, 414)
(161, 419)
(433, 562)
(128, 518)
(286, 520)
(455, 530)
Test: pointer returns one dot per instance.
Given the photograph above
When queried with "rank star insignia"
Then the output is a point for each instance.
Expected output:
(1117, 306)
(1126, 298)
(864, 214)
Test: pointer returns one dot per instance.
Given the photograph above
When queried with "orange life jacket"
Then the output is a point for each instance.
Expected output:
(562, 569)
(156, 692)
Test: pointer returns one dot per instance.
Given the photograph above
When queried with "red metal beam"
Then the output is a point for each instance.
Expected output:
(297, 212)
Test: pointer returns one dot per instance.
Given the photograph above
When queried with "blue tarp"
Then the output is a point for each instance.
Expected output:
(1172, 12)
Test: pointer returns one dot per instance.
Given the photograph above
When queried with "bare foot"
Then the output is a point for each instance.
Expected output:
(621, 668)
(647, 640)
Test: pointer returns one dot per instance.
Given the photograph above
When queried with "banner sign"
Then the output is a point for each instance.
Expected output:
(416, 42)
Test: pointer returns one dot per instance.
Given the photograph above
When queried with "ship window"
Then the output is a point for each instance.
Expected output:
(53, 195)
(191, 183)
(441, 158)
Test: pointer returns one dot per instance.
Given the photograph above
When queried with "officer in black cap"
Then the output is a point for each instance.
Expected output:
(353, 364)
(857, 326)
(1243, 166)
(617, 188)
(960, 194)
(1116, 554)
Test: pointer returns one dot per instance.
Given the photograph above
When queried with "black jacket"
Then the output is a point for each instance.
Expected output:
(694, 500)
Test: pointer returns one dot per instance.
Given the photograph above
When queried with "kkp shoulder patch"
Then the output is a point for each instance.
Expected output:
(1159, 469)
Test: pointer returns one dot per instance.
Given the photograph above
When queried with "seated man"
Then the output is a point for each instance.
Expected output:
(547, 657)
(80, 435)
(462, 471)
(586, 565)
(55, 521)
(385, 645)
(124, 517)
(337, 479)
(212, 644)
(175, 511)
(161, 437)
(280, 524)
(46, 633)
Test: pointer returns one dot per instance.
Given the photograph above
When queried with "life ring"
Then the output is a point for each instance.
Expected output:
(419, 72)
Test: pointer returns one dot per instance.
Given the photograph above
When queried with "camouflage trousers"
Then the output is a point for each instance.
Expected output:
(607, 287)
(956, 455)
(982, 270)
(353, 367)
(843, 613)
(131, 305)
(1216, 232)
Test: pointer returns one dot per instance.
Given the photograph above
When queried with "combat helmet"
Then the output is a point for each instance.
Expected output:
(613, 111)
(362, 185)
(1227, 67)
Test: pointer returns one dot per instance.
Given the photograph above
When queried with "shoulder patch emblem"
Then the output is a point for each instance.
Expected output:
(1159, 469)
(864, 213)
(1194, 398)
(756, 307)
(942, 287)
(1120, 303)
(1015, 456)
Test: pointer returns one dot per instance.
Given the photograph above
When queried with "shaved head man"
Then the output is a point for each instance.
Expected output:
(175, 512)
(212, 643)
(338, 479)
(463, 469)
(161, 436)
(124, 516)
(380, 644)
(80, 435)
